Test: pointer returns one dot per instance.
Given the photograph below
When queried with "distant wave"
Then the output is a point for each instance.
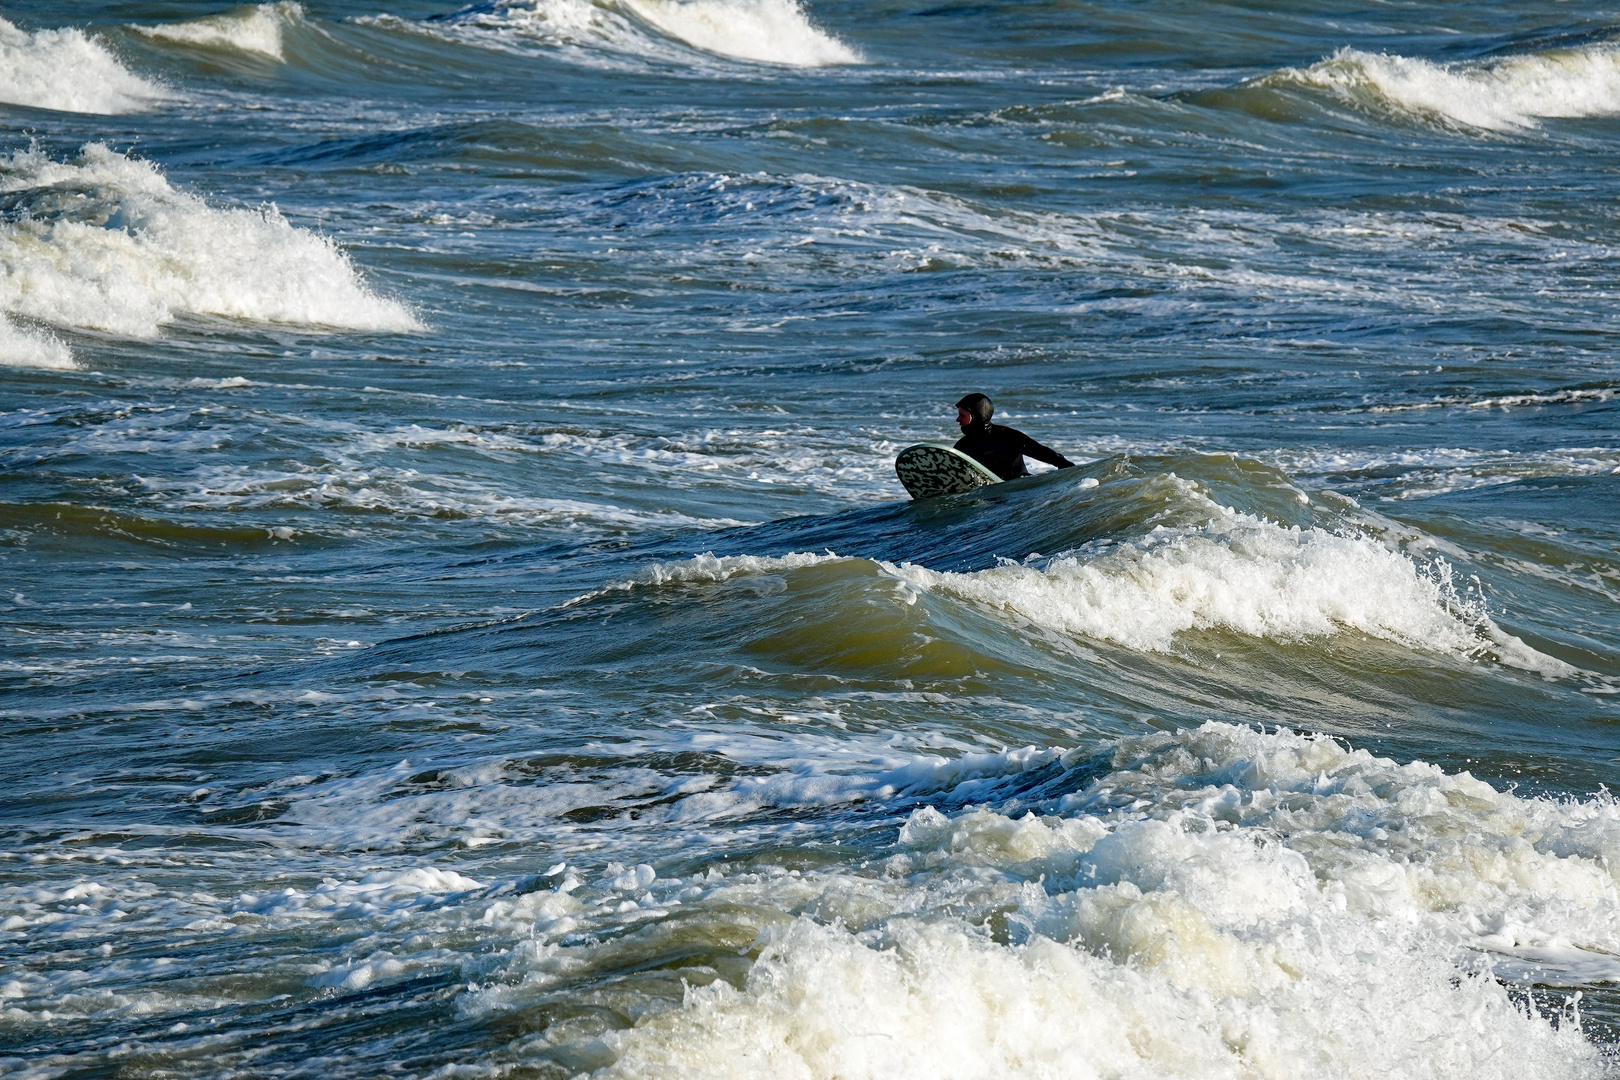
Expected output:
(763, 31)
(1575, 396)
(256, 29)
(68, 71)
(105, 243)
(772, 31)
(1498, 95)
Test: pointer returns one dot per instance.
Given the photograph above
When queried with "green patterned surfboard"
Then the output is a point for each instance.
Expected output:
(929, 469)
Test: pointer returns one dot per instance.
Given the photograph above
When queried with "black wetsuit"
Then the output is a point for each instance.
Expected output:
(1002, 450)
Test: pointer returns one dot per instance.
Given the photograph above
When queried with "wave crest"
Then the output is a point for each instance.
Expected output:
(68, 71)
(256, 29)
(24, 347)
(105, 243)
(1497, 95)
(760, 31)
(1240, 573)
(767, 31)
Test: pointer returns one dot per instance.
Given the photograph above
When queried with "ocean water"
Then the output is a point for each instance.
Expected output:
(460, 618)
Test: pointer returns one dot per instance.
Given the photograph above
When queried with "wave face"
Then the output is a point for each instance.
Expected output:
(761, 31)
(1498, 95)
(256, 29)
(68, 71)
(103, 242)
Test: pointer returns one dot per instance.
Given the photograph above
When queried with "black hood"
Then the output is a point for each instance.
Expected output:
(978, 407)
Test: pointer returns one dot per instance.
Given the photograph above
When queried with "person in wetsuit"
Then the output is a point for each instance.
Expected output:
(999, 448)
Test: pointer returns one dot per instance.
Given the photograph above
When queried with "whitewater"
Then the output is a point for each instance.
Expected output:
(460, 617)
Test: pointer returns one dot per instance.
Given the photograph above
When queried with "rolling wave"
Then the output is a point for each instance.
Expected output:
(69, 71)
(766, 31)
(1189, 904)
(1242, 574)
(1498, 95)
(104, 242)
(256, 29)
(1237, 574)
(758, 31)
(1144, 562)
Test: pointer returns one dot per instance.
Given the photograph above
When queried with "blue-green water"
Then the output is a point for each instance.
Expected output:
(461, 618)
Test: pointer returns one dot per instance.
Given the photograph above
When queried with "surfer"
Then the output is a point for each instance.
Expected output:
(999, 448)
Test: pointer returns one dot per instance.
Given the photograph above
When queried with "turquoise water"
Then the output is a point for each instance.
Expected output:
(461, 618)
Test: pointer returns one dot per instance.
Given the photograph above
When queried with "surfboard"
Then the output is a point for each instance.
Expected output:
(930, 469)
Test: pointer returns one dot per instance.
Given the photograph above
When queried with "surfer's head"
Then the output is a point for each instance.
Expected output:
(974, 410)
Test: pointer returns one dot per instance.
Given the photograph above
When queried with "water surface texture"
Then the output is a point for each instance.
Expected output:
(460, 618)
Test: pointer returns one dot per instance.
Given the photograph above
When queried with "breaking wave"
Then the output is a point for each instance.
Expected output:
(256, 29)
(104, 242)
(769, 31)
(1240, 573)
(23, 347)
(1499, 95)
(761, 31)
(1236, 573)
(68, 71)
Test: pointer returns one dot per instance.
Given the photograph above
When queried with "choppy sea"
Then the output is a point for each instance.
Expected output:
(460, 618)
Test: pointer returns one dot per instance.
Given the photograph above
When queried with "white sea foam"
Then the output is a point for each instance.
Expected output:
(1499, 94)
(350, 484)
(23, 347)
(105, 243)
(353, 467)
(769, 31)
(68, 71)
(1240, 573)
(762, 31)
(1422, 473)
(944, 1001)
(791, 458)
(256, 29)
(805, 224)
(1552, 397)
(385, 894)
(1217, 902)
(1503, 401)
(1528, 878)
(473, 802)
(1226, 902)
(497, 800)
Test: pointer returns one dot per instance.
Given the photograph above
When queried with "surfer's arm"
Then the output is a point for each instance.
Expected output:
(1033, 449)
